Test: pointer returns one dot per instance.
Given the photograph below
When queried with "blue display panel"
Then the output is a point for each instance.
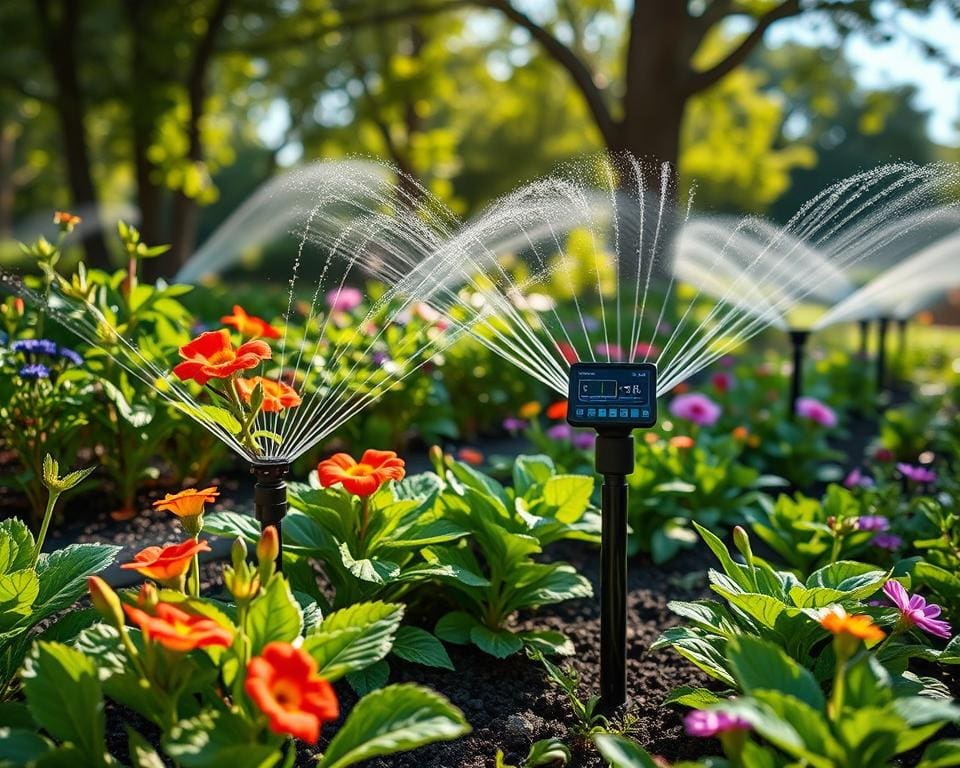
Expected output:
(612, 395)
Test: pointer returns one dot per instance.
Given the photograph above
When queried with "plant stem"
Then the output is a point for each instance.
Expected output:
(195, 574)
(364, 517)
(52, 498)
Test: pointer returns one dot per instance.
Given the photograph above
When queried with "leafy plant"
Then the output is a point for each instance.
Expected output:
(546, 752)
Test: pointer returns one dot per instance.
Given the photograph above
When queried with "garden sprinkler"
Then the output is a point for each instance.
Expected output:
(614, 399)
(882, 324)
(798, 339)
(270, 496)
(864, 338)
(902, 323)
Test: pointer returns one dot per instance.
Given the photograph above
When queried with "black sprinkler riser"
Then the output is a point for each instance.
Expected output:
(270, 497)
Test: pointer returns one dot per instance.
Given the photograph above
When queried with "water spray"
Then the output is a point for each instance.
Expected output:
(613, 399)
(270, 497)
(798, 341)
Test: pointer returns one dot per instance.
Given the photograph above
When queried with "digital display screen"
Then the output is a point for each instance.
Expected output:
(612, 394)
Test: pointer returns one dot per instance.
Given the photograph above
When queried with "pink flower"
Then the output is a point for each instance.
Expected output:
(915, 612)
(513, 424)
(584, 440)
(919, 475)
(645, 350)
(817, 412)
(560, 432)
(887, 541)
(883, 454)
(609, 351)
(707, 723)
(344, 299)
(873, 523)
(856, 479)
(697, 408)
(568, 352)
(722, 381)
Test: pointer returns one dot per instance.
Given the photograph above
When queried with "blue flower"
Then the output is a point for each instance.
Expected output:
(34, 371)
(35, 346)
(70, 355)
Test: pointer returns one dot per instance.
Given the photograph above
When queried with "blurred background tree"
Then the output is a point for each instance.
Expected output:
(183, 107)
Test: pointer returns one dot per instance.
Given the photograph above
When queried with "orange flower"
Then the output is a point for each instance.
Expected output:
(211, 356)
(177, 630)
(187, 503)
(283, 682)
(557, 410)
(470, 456)
(740, 434)
(839, 622)
(66, 221)
(168, 563)
(363, 479)
(249, 325)
(650, 437)
(277, 396)
(529, 410)
(682, 442)
(681, 388)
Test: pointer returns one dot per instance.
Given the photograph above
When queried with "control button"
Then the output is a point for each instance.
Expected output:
(645, 413)
(591, 413)
(623, 413)
(634, 413)
(579, 411)
(603, 413)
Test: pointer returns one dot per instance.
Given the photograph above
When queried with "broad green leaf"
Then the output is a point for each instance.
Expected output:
(941, 754)
(697, 698)
(65, 699)
(548, 641)
(142, 755)
(420, 647)
(621, 752)
(454, 627)
(368, 679)
(500, 643)
(759, 665)
(16, 545)
(353, 638)
(372, 571)
(18, 593)
(20, 747)
(218, 739)
(529, 471)
(63, 574)
(709, 654)
(395, 719)
(274, 616)
(568, 496)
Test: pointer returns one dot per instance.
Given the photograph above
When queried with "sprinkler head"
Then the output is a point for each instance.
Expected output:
(270, 492)
(612, 397)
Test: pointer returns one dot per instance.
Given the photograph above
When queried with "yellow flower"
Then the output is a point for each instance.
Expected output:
(529, 410)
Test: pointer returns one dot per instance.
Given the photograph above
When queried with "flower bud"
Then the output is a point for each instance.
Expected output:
(106, 602)
(269, 545)
(148, 597)
(238, 552)
(436, 459)
(742, 542)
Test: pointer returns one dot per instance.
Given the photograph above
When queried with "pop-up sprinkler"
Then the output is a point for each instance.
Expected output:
(614, 399)
(798, 340)
(270, 496)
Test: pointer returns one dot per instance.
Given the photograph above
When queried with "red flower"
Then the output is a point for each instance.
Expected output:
(283, 682)
(470, 456)
(248, 325)
(363, 479)
(166, 563)
(211, 356)
(277, 396)
(177, 630)
(557, 410)
(568, 352)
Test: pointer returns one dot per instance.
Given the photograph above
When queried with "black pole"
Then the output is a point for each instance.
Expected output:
(864, 338)
(799, 340)
(614, 460)
(902, 338)
(882, 326)
(270, 497)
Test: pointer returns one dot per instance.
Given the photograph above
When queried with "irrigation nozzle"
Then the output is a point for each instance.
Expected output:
(798, 340)
(614, 399)
(270, 497)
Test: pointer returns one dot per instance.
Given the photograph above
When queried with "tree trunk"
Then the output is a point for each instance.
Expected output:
(60, 42)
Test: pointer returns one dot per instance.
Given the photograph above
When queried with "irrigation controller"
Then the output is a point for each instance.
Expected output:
(612, 396)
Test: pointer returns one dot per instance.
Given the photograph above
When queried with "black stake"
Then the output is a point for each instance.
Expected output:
(798, 338)
(882, 326)
(864, 338)
(614, 460)
(902, 339)
(270, 497)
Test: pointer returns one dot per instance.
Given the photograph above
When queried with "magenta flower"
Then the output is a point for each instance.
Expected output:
(645, 350)
(513, 424)
(873, 523)
(609, 351)
(707, 723)
(344, 299)
(857, 479)
(817, 412)
(918, 475)
(887, 541)
(915, 611)
(722, 381)
(584, 440)
(560, 432)
(697, 408)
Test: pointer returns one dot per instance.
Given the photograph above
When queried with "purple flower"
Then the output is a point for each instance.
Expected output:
(344, 299)
(560, 432)
(873, 523)
(379, 357)
(914, 610)
(817, 412)
(513, 424)
(707, 723)
(34, 371)
(584, 440)
(887, 541)
(856, 479)
(35, 346)
(697, 408)
(70, 356)
(919, 475)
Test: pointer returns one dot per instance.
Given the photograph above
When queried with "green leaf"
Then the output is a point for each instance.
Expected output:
(455, 627)
(568, 496)
(65, 699)
(420, 647)
(758, 664)
(500, 643)
(16, 545)
(941, 754)
(547, 752)
(529, 471)
(621, 752)
(395, 719)
(353, 638)
(696, 698)
(63, 574)
(372, 571)
(20, 747)
(222, 417)
(370, 678)
(274, 616)
(218, 739)
(548, 641)
(142, 755)
(18, 593)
